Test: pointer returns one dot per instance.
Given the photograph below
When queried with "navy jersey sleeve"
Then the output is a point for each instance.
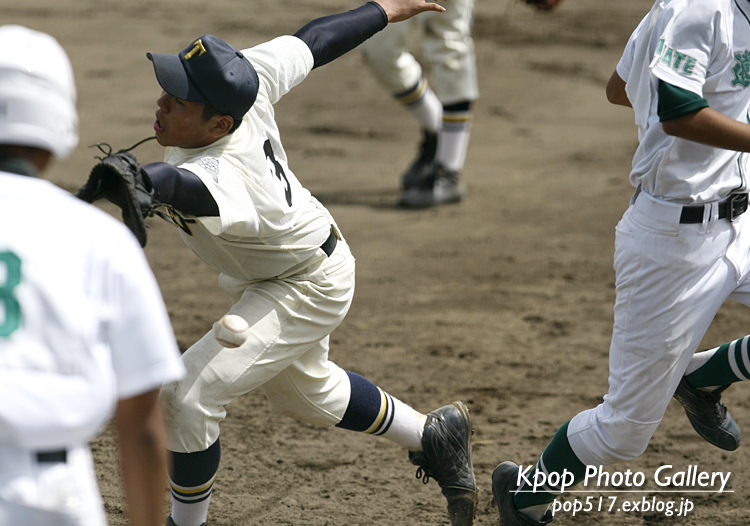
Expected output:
(331, 36)
(181, 189)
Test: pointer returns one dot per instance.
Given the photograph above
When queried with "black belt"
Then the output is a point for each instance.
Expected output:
(52, 456)
(329, 245)
(730, 208)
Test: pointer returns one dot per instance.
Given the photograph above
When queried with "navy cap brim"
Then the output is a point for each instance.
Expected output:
(172, 77)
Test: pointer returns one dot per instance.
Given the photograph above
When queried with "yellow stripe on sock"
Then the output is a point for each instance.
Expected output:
(414, 96)
(383, 412)
(456, 117)
(185, 491)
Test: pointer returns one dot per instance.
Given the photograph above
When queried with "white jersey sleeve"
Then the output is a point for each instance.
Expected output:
(625, 65)
(281, 64)
(138, 330)
(687, 44)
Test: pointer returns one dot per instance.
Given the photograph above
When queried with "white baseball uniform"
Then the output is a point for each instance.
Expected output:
(672, 276)
(448, 48)
(266, 243)
(82, 324)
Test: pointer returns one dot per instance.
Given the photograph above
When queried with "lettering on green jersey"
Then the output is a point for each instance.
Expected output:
(8, 299)
(741, 70)
(677, 60)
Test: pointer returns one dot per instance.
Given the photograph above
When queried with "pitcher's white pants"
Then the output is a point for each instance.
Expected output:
(671, 279)
(286, 355)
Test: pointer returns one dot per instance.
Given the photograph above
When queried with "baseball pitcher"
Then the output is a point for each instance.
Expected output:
(227, 186)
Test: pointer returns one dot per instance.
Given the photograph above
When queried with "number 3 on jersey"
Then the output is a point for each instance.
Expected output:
(10, 304)
(279, 170)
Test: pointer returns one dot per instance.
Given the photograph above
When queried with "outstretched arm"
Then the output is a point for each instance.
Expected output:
(331, 36)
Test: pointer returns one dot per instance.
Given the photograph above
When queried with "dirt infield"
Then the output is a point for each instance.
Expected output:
(503, 301)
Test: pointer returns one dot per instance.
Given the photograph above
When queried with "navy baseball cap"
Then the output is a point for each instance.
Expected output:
(209, 71)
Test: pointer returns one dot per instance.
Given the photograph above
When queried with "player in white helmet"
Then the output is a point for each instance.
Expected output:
(84, 332)
(682, 248)
(445, 114)
(228, 187)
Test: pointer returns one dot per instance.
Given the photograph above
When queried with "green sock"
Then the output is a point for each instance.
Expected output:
(729, 364)
(558, 458)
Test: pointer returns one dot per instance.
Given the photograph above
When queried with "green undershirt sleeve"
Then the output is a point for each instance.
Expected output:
(676, 102)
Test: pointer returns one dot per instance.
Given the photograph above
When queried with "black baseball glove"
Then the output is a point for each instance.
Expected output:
(119, 178)
(543, 5)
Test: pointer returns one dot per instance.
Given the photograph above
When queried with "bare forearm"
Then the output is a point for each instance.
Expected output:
(616, 91)
(712, 128)
(144, 464)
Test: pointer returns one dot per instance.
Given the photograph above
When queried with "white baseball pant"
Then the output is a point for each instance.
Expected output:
(447, 45)
(286, 355)
(671, 280)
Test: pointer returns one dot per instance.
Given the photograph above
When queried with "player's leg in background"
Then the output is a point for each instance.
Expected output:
(388, 57)
(449, 48)
(424, 104)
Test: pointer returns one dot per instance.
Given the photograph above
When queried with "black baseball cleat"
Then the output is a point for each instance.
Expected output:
(439, 187)
(420, 168)
(504, 486)
(709, 417)
(447, 459)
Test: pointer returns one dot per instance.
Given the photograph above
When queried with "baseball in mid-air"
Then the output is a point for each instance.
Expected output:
(231, 331)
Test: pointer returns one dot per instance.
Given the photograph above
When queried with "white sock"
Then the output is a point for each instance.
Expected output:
(424, 105)
(192, 513)
(453, 140)
(407, 426)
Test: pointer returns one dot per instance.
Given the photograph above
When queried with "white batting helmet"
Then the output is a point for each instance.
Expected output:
(37, 92)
